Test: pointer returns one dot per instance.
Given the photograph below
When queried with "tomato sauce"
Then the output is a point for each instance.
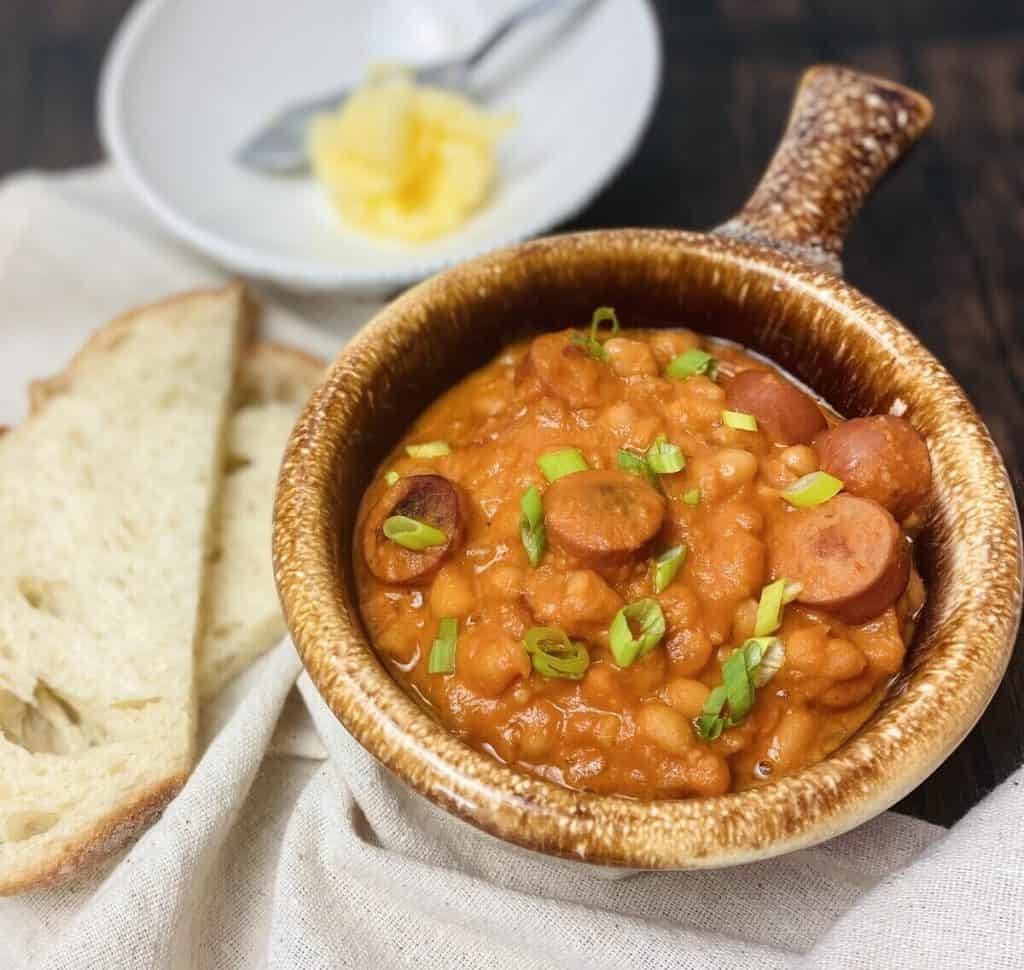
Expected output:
(633, 730)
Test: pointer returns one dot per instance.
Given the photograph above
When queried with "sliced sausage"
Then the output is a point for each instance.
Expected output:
(563, 369)
(602, 517)
(781, 408)
(849, 555)
(881, 458)
(431, 499)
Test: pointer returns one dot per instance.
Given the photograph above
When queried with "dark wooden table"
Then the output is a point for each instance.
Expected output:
(941, 244)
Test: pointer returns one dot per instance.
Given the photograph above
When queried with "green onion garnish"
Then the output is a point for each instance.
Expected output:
(749, 667)
(664, 457)
(429, 449)
(711, 723)
(692, 496)
(590, 345)
(604, 314)
(739, 420)
(391, 477)
(553, 654)
(790, 592)
(667, 565)
(635, 465)
(627, 648)
(591, 342)
(737, 680)
(558, 464)
(531, 526)
(773, 656)
(442, 652)
(812, 489)
(769, 609)
(413, 534)
(692, 362)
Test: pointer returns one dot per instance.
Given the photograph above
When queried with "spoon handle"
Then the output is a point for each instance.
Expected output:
(506, 26)
(280, 145)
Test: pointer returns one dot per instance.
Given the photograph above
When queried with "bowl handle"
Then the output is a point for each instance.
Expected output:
(845, 130)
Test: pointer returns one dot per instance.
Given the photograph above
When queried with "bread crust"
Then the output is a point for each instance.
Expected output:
(43, 389)
(125, 822)
(109, 834)
(303, 362)
(263, 359)
(273, 378)
(265, 363)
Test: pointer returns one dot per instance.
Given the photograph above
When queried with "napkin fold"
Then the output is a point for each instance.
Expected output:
(290, 847)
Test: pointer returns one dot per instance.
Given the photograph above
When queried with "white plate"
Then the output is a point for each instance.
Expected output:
(187, 80)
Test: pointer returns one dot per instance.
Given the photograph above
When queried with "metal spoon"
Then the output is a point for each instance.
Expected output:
(280, 145)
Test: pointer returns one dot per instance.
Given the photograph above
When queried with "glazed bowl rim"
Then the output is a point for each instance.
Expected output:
(873, 770)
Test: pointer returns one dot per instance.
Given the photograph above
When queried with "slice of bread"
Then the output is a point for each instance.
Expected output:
(106, 497)
(242, 615)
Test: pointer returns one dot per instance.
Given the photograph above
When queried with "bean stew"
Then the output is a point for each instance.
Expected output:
(644, 562)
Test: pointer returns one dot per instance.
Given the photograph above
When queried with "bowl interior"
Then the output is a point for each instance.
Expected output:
(825, 333)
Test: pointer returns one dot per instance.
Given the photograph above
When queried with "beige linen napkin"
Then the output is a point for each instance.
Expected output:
(296, 850)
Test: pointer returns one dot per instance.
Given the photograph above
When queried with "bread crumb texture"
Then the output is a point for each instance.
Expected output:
(243, 616)
(105, 515)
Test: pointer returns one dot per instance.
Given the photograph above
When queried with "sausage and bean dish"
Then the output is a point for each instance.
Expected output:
(644, 562)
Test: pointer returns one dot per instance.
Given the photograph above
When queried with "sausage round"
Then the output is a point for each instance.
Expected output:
(563, 369)
(881, 458)
(431, 499)
(849, 555)
(602, 517)
(781, 408)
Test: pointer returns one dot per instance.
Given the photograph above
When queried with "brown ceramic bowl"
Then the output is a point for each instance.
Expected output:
(769, 279)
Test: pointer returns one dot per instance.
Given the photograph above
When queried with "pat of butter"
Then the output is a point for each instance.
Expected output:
(404, 161)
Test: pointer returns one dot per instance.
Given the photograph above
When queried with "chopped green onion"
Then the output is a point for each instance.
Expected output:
(790, 592)
(553, 654)
(711, 723)
(773, 656)
(664, 457)
(603, 314)
(532, 507)
(739, 420)
(692, 362)
(591, 342)
(442, 652)
(692, 496)
(558, 464)
(532, 530)
(739, 691)
(736, 677)
(666, 566)
(413, 534)
(661, 458)
(429, 449)
(769, 609)
(591, 346)
(627, 648)
(635, 465)
(749, 667)
(812, 489)
(391, 477)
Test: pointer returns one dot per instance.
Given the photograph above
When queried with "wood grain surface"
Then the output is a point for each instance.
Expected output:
(941, 244)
